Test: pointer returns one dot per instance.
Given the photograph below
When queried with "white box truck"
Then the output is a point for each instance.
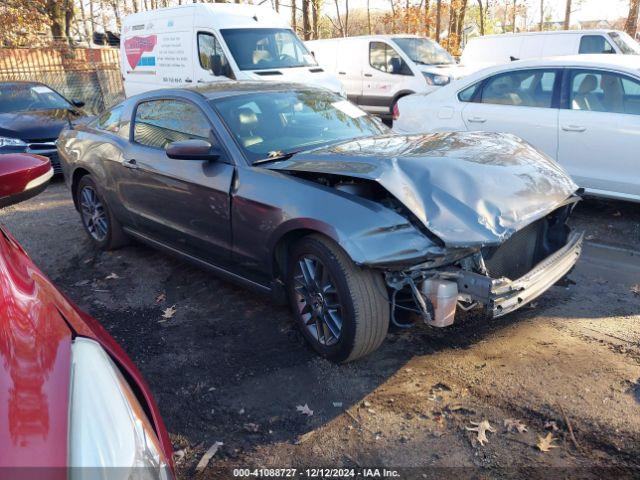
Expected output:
(200, 43)
(377, 70)
(498, 49)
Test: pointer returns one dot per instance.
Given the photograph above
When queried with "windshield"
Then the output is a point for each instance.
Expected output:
(424, 51)
(272, 124)
(266, 48)
(625, 43)
(17, 97)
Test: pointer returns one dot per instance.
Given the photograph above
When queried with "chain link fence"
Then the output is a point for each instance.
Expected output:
(91, 75)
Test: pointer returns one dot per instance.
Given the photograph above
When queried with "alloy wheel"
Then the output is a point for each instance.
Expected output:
(317, 300)
(93, 214)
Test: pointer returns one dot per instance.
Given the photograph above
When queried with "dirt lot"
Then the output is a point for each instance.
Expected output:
(230, 367)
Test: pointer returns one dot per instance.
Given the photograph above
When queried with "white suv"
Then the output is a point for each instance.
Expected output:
(583, 111)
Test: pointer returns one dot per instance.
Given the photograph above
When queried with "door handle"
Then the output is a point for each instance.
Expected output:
(573, 128)
(130, 163)
(476, 119)
(368, 75)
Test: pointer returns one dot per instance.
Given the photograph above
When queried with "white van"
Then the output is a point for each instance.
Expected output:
(377, 70)
(200, 43)
(497, 49)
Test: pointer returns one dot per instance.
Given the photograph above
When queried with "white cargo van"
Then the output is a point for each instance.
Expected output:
(377, 70)
(199, 43)
(497, 49)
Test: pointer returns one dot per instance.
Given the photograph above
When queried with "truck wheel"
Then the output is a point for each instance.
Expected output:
(341, 309)
(98, 221)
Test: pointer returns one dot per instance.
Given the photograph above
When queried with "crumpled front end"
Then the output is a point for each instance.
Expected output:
(499, 279)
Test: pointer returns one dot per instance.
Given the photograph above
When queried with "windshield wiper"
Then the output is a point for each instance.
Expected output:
(276, 157)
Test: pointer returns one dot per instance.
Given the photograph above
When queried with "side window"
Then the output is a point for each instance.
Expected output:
(160, 122)
(610, 92)
(595, 44)
(523, 88)
(383, 57)
(109, 121)
(210, 50)
(469, 93)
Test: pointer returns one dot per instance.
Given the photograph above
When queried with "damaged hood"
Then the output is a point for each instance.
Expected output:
(467, 188)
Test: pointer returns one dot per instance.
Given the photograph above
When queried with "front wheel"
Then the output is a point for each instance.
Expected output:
(341, 309)
(98, 221)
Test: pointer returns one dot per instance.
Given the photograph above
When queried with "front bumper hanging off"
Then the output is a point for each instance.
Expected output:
(502, 296)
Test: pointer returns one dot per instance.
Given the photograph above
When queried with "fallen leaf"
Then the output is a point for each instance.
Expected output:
(304, 410)
(168, 313)
(551, 425)
(252, 427)
(179, 455)
(337, 404)
(636, 289)
(112, 276)
(204, 461)
(545, 444)
(482, 428)
(161, 297)
(514, 425)
(81, 283)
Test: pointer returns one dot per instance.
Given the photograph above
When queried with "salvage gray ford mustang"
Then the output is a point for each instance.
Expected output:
(296, 192)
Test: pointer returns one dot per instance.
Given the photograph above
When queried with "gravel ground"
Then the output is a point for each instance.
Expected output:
(230, 367)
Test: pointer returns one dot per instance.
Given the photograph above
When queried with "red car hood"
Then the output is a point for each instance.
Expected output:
(37, 324)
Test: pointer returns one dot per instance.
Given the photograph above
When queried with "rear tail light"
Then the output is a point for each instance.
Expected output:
(396, 112)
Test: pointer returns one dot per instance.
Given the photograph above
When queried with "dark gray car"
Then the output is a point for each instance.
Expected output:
(293, 191)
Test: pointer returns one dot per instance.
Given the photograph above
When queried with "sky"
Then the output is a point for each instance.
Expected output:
(583, 10)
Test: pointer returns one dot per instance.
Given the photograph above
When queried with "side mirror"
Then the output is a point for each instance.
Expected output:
(22, 176)
(77, 103)
(192, 150)
(216, 65)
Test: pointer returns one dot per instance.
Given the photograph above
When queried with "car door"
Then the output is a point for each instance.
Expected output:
(384, 76)
(184, 204)
(599, 135)
(349, 54)
(521, 102)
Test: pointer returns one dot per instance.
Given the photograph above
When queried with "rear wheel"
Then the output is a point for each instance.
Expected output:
(98, 221)
(341, 309)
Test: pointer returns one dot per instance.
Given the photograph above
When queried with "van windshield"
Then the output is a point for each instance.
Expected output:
(266, 48)
(424, 51)
(625, 43)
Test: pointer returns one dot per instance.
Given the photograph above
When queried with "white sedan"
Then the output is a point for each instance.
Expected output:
(583, 111)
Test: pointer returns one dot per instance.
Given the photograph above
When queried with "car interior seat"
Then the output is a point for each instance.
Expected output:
(613, 93)
(247, 122)
(586, 98)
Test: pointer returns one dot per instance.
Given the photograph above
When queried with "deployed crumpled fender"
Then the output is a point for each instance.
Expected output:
(467, 188)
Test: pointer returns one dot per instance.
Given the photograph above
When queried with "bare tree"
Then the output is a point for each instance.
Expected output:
(513, 16)
(541, 15)
(427, 25)
(481, 13)
(294, 22)
(438, 16)
(305, 20)
(315, 16)
(369, 18)
(567, 15)
(631, 25)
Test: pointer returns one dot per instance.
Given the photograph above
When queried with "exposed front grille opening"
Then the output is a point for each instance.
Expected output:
(528, 246)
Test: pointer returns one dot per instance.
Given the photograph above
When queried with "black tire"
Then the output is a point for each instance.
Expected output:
(361, 293)
(114, 237)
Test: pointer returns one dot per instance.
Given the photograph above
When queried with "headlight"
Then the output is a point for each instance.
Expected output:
(435, 79)
(108, 427)
(11, 142)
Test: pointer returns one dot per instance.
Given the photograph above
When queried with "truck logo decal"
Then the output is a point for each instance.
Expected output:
(134, 47)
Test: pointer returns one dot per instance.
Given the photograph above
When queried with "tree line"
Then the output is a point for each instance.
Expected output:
(33, 22)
